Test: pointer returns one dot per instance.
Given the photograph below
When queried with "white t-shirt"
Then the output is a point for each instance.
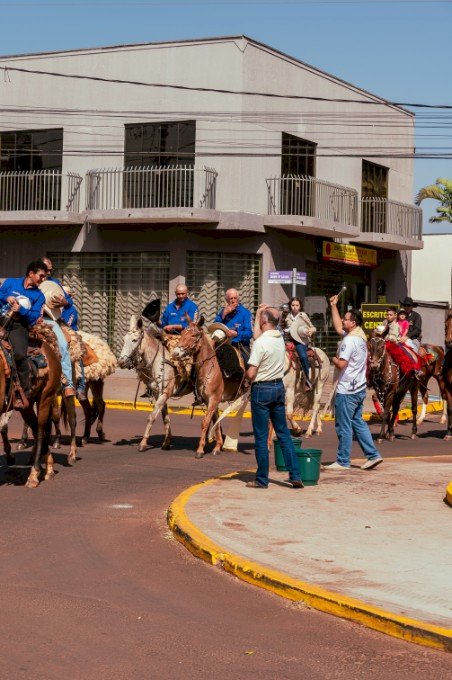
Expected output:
(268, 355)
(352, 378)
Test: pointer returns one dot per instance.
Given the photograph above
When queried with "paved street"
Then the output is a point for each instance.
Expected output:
(95, 586)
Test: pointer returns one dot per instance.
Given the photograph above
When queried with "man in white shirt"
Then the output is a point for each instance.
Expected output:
(351, 390)
(266, 370)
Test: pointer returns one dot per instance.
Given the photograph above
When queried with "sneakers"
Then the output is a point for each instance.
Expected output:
(373, 462)
(335, 467)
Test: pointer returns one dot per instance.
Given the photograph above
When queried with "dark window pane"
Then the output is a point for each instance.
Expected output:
(297, 156)
(374, 180)
(161, 144)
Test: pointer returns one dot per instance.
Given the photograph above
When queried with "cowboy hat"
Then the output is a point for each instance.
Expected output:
(219, 331)
(152, 310)
(408, 302)
(299, 331)
(51, 289)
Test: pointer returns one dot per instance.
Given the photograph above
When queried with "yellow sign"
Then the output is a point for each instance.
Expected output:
(349, 254)
(373, 316)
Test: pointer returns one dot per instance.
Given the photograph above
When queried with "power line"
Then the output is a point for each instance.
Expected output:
(190, 3)
(247, 93)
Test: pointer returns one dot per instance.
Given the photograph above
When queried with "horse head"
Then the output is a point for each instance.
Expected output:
(190, 340)
(448, 330)
(377, 348)
(132, 342)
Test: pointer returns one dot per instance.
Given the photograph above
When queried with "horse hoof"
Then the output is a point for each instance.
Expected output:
(31, 483)
(199, 454)
(142, 448)
(21, 446)
(391, 438)
(49, 475)
(84, 441)
(448, 437)
(72, 459)
(166, 447)
(216, 453)
(56, 445)
(413, 436)
(380, 441)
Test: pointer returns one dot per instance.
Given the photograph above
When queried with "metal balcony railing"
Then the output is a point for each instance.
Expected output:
(40, 190)
(312, 197)
(152, 187)
(381, 216)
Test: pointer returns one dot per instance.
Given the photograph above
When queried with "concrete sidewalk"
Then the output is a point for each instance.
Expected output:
(371, 546)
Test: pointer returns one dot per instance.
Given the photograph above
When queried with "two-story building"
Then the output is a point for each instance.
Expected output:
(210, 162)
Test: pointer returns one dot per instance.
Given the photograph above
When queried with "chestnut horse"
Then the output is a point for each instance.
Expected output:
(390, 387)
(43, 391)
(433, 369)
(446, 377)
(210, 385)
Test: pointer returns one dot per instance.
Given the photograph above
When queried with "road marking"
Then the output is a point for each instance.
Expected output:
(121, 506)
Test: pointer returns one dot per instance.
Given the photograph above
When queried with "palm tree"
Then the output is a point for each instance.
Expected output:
(441, 191)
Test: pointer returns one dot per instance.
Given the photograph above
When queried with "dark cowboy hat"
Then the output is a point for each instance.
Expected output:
(152, 310)
(408, 302)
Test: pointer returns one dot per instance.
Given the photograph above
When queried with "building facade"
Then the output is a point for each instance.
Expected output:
(138, 167)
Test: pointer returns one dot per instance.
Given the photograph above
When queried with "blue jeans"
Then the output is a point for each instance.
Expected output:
(66, 365)
(349, 422)
(268, 403)
(302, 352)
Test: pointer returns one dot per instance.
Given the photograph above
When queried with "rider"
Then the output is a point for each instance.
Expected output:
(60, 301)
(23, 302)
(394, 343)
(173, 318)
(238, 320)
(295, 322)
(415, 321)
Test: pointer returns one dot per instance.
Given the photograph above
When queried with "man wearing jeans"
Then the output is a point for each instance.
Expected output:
(351, 391)
(266, 370)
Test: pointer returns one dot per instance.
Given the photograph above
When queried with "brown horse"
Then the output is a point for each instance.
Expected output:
(432, 369)
(446, 376)
(43, 390)
(390, 386)
(210, 386)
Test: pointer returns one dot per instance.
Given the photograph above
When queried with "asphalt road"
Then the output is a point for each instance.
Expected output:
(95, 586)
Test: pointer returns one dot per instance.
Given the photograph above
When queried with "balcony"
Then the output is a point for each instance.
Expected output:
(42, 196)
(153, 194)
(311, 206)
(392, 225)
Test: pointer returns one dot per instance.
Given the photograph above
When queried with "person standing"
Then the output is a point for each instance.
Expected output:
(351, 391)
(239, 322)
(265, 371)
(173, 318)
(22, 301)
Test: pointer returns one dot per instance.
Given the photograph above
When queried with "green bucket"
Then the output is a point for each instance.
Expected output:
(308, 461)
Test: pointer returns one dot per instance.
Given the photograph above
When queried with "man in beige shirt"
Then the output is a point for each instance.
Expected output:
(266, 371)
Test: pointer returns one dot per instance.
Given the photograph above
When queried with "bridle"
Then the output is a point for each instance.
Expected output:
(375, 364)
(191, 348)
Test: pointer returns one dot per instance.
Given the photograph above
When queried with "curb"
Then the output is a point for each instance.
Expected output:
(319, 598)
(125, 405)
(448, 498)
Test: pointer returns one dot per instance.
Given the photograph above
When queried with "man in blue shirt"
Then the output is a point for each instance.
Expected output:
(238, 319)
(173, 318)
(22, 301)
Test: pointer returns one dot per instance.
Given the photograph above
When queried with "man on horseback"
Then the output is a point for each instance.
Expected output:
(174, 318)
(415, 321)
(237, 320)
(351, 390)
(22, 303)
(405, 357)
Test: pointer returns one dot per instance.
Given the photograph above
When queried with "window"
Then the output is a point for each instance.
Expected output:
(374, 191)
(374, 180)
(31, 150)
(298, 156)
(297, 167)
(160, 144)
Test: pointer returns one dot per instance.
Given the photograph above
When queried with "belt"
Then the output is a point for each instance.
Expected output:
(276, 381)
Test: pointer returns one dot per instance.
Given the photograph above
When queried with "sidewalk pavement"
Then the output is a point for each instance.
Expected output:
(373, 546)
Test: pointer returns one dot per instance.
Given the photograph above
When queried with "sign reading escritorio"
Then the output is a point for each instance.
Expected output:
(373, 315)
(346, 253)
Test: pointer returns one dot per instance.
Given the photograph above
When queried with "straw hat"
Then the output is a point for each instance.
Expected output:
(219, 331)
(51, 289)
(299, 331)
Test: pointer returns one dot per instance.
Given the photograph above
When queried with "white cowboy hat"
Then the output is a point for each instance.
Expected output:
(50, 289)
(299, 331)
(380, 329)
(218, 331)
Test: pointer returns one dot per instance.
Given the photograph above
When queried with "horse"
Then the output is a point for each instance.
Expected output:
(144, 351)
(446, 375)
(298, 401)
(210, 386)
(390, 387)
(43, 390)
(432, 369)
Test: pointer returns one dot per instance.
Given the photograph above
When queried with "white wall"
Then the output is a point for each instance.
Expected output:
(432, 269)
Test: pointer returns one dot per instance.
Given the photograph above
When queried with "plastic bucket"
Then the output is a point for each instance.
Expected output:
(308, 462)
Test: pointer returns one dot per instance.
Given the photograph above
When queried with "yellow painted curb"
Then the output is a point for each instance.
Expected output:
(350, 608)
(448, 497)
(125, 405)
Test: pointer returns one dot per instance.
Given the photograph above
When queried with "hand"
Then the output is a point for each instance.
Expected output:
(14, 306)
(39, 320)
(11, 300)
(334, 300)
(232, 334)
(58, 301)
(229, 308)
(262, 307)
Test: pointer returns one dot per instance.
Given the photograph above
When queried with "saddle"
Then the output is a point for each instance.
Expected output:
(77, 346)
(230, 361)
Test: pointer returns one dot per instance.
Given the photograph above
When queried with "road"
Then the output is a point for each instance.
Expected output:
(95, 586)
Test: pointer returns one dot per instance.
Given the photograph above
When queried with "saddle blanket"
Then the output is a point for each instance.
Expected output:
(36, 360)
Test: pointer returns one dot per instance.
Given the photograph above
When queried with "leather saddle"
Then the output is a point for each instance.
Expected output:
(230, 361)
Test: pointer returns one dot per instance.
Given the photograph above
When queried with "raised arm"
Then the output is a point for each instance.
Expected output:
(335, 316)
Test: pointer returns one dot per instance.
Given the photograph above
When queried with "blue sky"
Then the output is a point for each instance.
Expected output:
(399, 50)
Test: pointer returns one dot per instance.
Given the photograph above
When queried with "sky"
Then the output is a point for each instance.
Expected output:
(401, 51)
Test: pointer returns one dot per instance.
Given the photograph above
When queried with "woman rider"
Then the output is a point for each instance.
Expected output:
(294, 319)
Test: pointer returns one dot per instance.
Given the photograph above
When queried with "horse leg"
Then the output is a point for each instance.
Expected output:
(290, 405)
(31, 420)
(23, 442)
(385, 419)
(211, 409)
(316, 423)
(97, 389)
(69, 404)
(158, 406)
(56, 415)
(47, 454)
(449, 415)
(7, 445)
(166, 421)
(414, 391)
(87, 412)
(218, 436)
(424, 394)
